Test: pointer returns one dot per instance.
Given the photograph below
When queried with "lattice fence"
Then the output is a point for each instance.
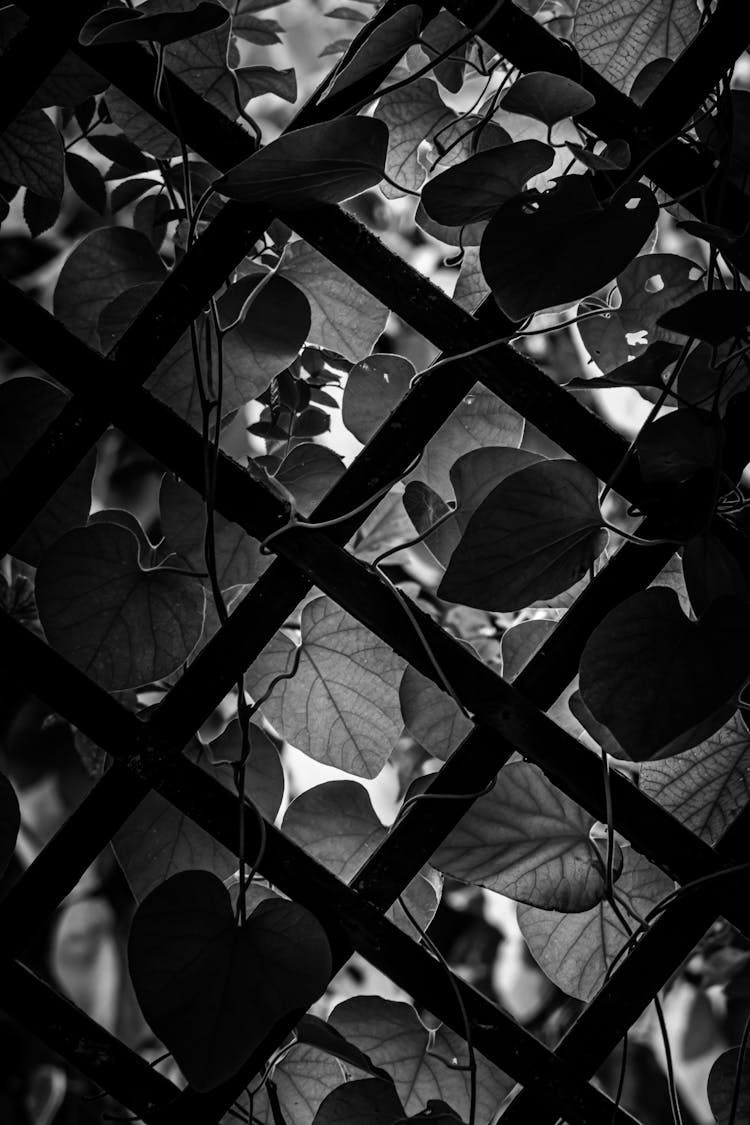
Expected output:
(147, 753)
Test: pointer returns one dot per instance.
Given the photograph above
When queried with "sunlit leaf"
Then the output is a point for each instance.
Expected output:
(393, 1037)
(386, 43)
(575, 950)
(122, 625)
(547, 97)
(431, 715)
(211, 989)
(345, 318)
(413, 114)
(685, 675)
(131, 25)
(374, 387)
(336, 824)
(341, 707)
(620, 40)
(303, 1077)
(309, 471)
(31, 155)
(527, 840)
(547, 249)
(103, 265)
(388, 526)
(473, 190)
(27, 407)
(521, 642)
(708, 786)
(10, 822)
(533, 536)
(471, 288)
(324, 163)
(723, 1085)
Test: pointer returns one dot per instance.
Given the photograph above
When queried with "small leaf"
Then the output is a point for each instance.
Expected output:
(117, 148)
(393, 1037)
(27, 408)
(714, 316)
(614, 157)
(341, 707)
(183, 519)
(31, 154)
(128, 25)
(386, 44)
(547, 97)
(264, 778)
(315, 1032)
(644, 371)
(722, 1083)
(309, 471)
(303, 1077)
(521, 642)
(575, 950)
(10, 822)
(271, 327)
(122, 625)
(647, 79)
(441, 35)
(103, 265)
(413, 114)
(473, 190)
(336, 824)
(547, 249)
(40, 212)
(527, 840)
(471, 288)
(536, 534)
(685, 675)
(620, 40)
(255, 81)
(87, 182)
(324, 163)
(211, 989)
(708, 786)
(374, 387)
(345, 318)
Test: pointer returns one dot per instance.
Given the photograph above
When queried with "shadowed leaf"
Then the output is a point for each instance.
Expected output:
(10, 822)
(128, 25)
(713, 316)
(387, 43)
(547, 97)
(374, 387)
(722, 1084)
(473, 190)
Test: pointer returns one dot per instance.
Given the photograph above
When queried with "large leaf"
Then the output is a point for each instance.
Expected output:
(659, 682)
(722, 1084)
(533, 536)
(650, 285)
(575, 950)
(708, 786)
(473, 190)
(392, 1036)
(10, 822)
(336, 824)
(552, 248)
(386, 43)
(413, 114)
(158, 840)
(102, 266)
(527, 840)
(374, 387)
(547, 97)
(345, 318)
(183, 519)
(620, 40)
(27, 407)
(341, 707)
(324, 163)
(431, 716)
(480, 420)
(122, 625)
(31, 155)
(211, 989)
(129, 25)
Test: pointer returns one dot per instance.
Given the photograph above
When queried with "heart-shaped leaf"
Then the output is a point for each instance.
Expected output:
(336, 824)
(211, 989)
(128, 25)
(714, 316)
(527, 840)
(547, 97)
(10, 822)
(552, 248)
(473, 190)
(659, 682)
(413, 114)
(341, 707)
(374, 387)
(303, 1077)
(27, 407)
(421, 1064)
(575, 950)
(722, 1084)
(324, 163)
(122, 625)
(309, 471)
(431, 715)
(533, 536)
(366, 1101)
(273, 325)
